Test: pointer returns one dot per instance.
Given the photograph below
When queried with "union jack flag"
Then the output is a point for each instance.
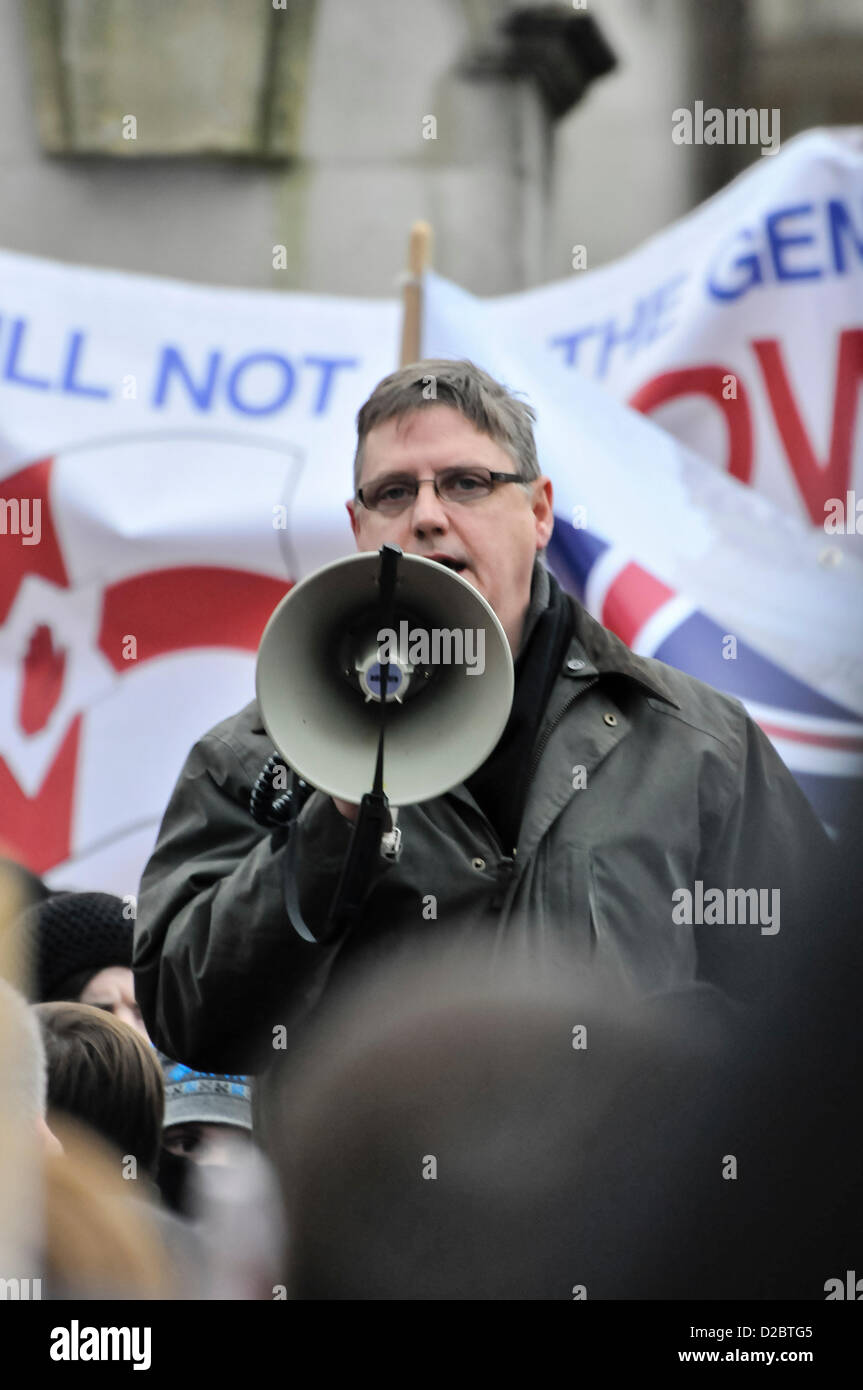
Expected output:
(820, 741)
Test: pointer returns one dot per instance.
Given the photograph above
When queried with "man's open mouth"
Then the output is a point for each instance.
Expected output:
(456, 565)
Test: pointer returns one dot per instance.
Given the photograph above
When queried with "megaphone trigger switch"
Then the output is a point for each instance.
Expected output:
(391, 840)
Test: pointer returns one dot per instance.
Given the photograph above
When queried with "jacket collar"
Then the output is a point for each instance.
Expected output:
(593, 651)
(603, 654)
(540, 597)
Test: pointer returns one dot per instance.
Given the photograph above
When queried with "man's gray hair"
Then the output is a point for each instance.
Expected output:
(487, 404)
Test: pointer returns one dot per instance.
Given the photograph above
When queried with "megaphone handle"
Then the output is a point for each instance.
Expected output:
(372, 822)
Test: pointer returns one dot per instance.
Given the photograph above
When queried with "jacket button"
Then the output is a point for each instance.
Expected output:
(477, 864)
(610, 719)
(574, 665)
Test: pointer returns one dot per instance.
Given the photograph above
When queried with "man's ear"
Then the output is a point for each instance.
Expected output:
(543, 511)
(351, 510)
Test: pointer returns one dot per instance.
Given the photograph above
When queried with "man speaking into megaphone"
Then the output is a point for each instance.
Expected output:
(624, 812)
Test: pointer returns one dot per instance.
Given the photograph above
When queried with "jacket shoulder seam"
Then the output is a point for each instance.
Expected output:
(237, 753)
(676, 712)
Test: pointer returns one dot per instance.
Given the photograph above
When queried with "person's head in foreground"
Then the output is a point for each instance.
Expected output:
(103, 1073)
(448, 1133)
(26, 1066)
(97, 1243)
(81, 947)
(457, 1129)
(27, 888)
(453, 476)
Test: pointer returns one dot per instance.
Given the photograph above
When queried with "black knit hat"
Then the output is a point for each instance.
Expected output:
(73, 936)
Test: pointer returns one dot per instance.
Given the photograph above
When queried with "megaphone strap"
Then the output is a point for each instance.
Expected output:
(289, 885)
(369, 839)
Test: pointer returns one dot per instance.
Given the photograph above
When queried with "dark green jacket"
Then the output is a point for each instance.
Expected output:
(644, 782)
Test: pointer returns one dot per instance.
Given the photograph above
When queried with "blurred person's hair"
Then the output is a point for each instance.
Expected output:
(691, 1149)
(488, 405)
(29, 886)
(98, 1243)
(101, 1071)
(444, 1134)
(24, 1060)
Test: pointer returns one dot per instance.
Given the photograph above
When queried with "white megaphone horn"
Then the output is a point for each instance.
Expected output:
(321, 663)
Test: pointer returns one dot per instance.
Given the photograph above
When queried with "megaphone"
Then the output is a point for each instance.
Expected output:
(326, 652)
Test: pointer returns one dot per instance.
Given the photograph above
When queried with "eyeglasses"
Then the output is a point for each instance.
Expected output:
(396, 492)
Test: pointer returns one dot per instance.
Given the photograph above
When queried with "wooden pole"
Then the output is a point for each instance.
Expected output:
(419, 257)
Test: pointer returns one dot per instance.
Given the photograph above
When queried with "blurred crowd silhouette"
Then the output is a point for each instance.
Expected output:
(442, 1128)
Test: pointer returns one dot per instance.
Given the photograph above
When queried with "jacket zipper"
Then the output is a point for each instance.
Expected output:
(550, 728)
(507, 865)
